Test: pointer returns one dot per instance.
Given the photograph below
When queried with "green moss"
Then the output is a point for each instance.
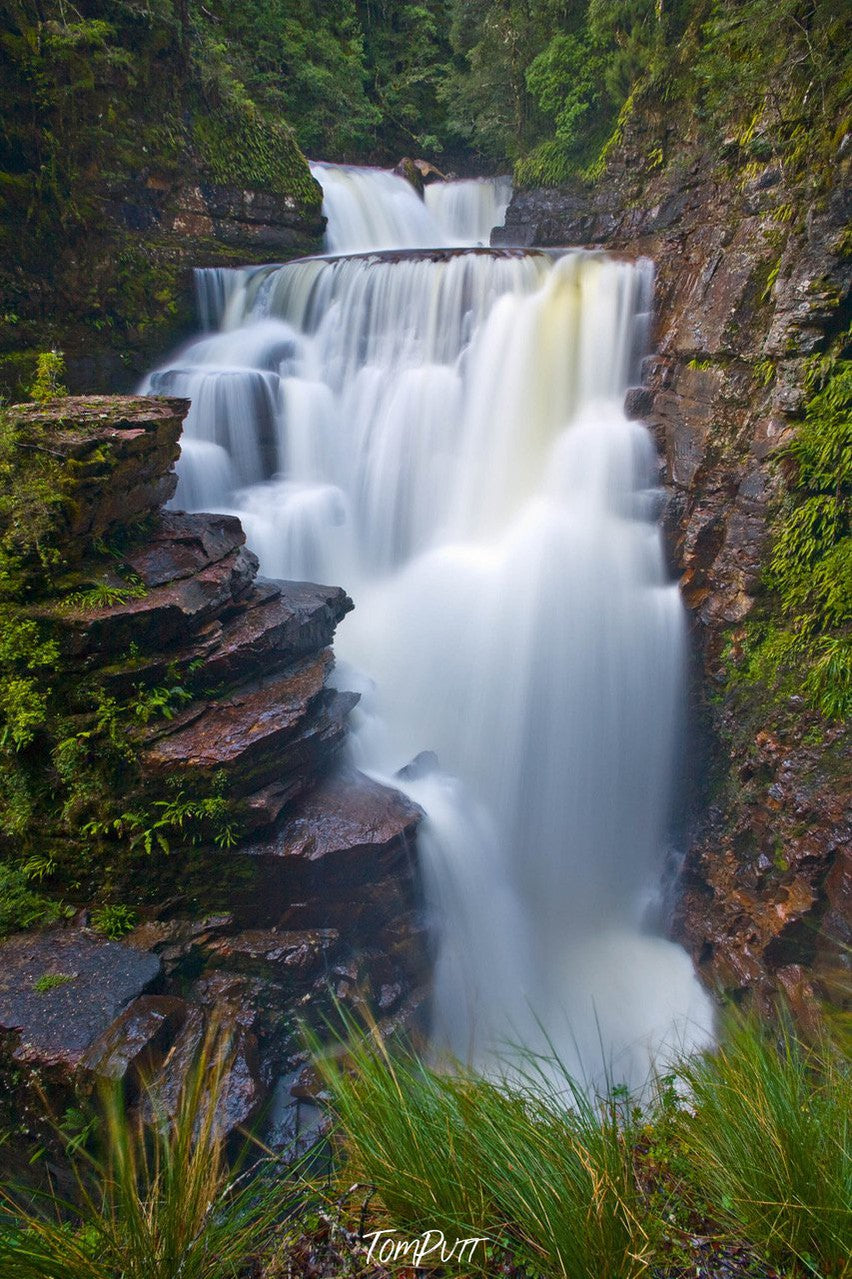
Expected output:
(238, 146)
(594, 171)
(50, 981)
(802, 641)
(548, 165)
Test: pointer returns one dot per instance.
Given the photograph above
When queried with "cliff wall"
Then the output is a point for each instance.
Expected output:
(175, 808)
(129, 154)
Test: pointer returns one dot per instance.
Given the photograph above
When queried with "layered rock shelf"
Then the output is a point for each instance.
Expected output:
(325, 900)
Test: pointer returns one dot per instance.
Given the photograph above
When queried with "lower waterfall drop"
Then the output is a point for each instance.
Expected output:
(442, 432)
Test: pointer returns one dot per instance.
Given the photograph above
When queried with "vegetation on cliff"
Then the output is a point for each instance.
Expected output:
(105, 105)
(74, 814)
(801, 640)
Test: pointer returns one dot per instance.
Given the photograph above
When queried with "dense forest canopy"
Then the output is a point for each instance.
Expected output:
(539, 83)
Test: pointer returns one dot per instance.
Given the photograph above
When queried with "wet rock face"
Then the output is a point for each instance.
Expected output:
(117, 454)
(328, 904)
(346, 844)
(744, 294)
(61, 989)
(767, 885)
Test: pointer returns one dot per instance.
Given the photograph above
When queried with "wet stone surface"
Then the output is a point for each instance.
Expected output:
(94, 980)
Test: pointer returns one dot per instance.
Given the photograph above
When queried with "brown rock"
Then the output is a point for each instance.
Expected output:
(278, 725)
(287, 955)
(182, 545)
(407, 168)
(57, 1026)
(340, 841)
(161, 618)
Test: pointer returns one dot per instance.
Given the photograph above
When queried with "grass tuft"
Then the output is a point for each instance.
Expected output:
(768, 1138)
(527, 1161)
(160, 1200)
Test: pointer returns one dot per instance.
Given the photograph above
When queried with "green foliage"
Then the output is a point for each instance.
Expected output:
(114, 921)
(50, 369)
(68, 753)
(566, 80)
(25, 656)
(160, 1200)
(160, 701)
(775, 69)
(802, 643)
(50, 981)
(193, 819)
(769, 1138)
(304, 63)
(601, 1187)
(531, 1160)
(103, 594)
(33, 494)
(21, 906)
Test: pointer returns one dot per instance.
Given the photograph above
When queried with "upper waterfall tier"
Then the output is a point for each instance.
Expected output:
(377, 209)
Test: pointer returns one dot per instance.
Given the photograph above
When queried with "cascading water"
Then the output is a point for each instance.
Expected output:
(442, 432)
(374, 209)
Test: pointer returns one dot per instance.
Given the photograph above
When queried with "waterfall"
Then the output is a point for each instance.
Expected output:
(374, 209)
(442, 432)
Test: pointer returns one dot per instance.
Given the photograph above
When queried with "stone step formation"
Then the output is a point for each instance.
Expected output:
(325, 906)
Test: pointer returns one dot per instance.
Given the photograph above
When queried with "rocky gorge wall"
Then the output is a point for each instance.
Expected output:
(113, 298)
(130, 153)
(203, 851)
(753, 284)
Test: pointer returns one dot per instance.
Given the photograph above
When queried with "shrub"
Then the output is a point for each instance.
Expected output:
(50, 370)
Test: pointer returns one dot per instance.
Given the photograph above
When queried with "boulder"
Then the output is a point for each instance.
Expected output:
(407, 169)
(349, 843)
(56, 1023)
(136, 1043)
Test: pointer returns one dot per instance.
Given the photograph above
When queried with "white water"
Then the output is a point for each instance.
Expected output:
(443, 434)
(375, 209)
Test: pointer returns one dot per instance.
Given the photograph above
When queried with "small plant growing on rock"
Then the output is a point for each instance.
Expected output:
(50, 981)
(114, 921)
(21, 906)
(50, 371)
(160, 1199)
(105, 595)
